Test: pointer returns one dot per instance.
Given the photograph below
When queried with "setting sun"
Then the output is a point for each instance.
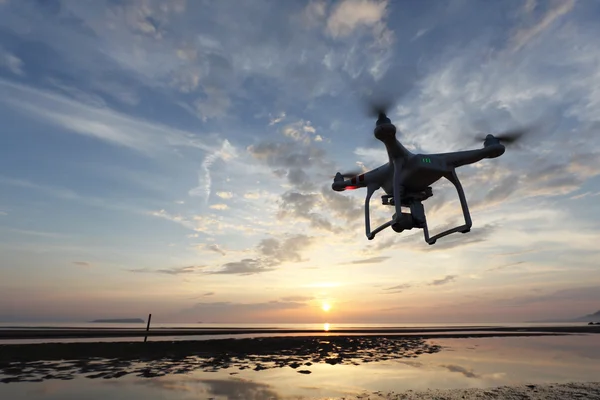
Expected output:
(326, 307)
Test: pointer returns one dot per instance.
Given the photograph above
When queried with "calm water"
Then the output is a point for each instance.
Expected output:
(153, 325)
(484, 362)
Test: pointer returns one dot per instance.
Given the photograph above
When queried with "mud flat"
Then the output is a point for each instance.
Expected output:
(563, 391)
(38, 362)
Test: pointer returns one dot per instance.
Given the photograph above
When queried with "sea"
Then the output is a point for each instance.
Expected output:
(294, 326)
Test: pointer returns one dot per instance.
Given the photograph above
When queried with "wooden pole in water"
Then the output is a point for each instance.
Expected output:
(148, 327)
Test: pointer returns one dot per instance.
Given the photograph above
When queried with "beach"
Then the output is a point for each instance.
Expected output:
(469, 362)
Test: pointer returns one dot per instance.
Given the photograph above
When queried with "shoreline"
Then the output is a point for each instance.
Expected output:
(81, 333)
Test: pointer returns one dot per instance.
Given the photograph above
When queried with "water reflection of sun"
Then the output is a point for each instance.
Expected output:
(326, 307)
(326, 326)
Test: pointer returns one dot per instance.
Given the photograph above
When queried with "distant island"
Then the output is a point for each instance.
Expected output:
(595, 317)
(120, 321)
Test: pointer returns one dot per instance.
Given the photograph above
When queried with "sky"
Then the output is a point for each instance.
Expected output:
(176, 158)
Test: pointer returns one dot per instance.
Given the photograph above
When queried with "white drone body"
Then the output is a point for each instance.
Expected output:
(407, 178)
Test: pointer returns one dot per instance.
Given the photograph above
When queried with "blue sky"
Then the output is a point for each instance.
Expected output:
(176, 157)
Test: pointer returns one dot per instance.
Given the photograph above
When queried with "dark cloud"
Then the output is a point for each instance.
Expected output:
(239, 389)
(170, 271)
(300, 163)
(300, 206)
(207, 294)
(277, 251)
(271, 253)
(505, 266)
(372, 260)
(270, 305)
(290, 155)
(342, 206)
(502, 190)
(395, 309)
(215, 388)
(517, 253)
(447, 279)
(82, 263)
(225, 311)
(299, 178)
(534, 176)
(382, 243)
(216, 248)
(247, 266)
(297, 298)
(461, 370)
(398, 288)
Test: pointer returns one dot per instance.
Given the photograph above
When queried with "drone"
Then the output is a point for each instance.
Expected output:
(406, 178)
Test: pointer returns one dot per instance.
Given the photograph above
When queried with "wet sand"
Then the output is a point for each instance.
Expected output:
(38, 362)
(566, 391)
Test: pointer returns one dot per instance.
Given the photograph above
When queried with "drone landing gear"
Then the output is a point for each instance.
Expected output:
(416, 218)
(406, 221)
(452, 177)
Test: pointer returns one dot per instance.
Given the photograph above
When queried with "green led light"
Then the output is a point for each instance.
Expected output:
(426, 160)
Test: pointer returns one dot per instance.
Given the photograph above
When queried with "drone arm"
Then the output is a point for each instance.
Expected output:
(460, 158)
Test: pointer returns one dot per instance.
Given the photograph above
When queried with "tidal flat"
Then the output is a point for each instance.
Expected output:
(390, 367)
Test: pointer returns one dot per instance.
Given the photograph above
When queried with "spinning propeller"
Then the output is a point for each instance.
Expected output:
(507, 138)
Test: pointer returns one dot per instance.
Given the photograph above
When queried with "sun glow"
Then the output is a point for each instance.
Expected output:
(326, 307)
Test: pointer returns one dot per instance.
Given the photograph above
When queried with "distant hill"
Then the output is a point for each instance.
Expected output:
(595, 317)
(120, 321)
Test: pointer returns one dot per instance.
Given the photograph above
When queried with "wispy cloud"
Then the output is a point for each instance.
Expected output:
(225, 153)
(170, 271)
(524, 35)
(27, 232)
(11, 62)
(447, 279)
(225, 311)
(372, 260)
(100, 123)
(398, 288)
(82, 263)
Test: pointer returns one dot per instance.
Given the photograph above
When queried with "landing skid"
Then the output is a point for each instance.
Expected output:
(416, 218)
